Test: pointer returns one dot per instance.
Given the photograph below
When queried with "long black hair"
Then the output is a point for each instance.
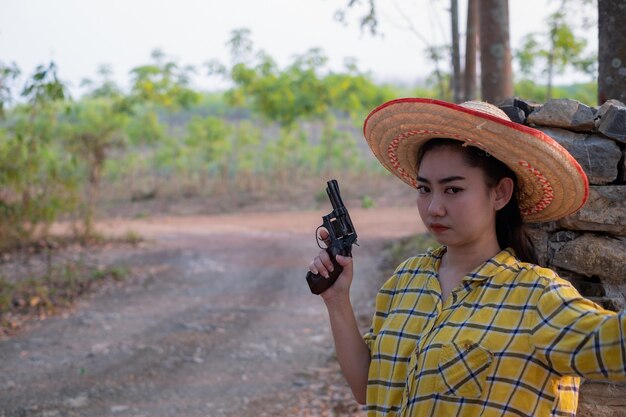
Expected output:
(510, 228)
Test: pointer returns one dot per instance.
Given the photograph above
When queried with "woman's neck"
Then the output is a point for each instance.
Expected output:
(467, 258)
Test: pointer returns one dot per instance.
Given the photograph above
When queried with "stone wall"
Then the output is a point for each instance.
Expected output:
(589, 247)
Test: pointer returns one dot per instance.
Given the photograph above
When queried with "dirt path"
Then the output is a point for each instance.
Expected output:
(216, 321)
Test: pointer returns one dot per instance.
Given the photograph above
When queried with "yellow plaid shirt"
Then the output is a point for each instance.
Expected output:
(513, 340)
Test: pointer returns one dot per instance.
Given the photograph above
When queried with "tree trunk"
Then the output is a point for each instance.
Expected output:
(471, 44)
(611, 51)
(456, 55)
(496, 74)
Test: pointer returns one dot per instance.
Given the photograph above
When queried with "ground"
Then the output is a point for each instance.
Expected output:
(214, 319)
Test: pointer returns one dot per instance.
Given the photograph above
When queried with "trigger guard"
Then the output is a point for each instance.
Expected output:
(318, 239)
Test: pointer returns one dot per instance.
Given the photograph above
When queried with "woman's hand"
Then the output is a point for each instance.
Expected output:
(323, 265)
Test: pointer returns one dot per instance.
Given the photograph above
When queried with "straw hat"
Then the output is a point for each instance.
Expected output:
(551, 183)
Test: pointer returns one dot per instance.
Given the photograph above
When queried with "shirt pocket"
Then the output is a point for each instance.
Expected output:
(462, 369)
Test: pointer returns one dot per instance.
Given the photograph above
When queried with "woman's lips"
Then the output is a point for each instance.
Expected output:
(437, 228)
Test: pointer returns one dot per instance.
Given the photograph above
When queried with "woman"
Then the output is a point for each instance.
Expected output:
(474, 327)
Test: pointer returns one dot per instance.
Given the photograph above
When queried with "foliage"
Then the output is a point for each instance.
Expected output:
(107, 88)
(163, 83)
(369, 20)
(355, 94)
(281, 96)
(44, 86)
(552, 52)
(37, 181)
(367, 202)
(247, 140)
(144, 127)
(91, 129)
(585, 93)
(338, 149)
(8, 74)
(210, 145)
(305, 89)
(275, 124)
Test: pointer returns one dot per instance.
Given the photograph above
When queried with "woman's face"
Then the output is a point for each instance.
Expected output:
(454, 201)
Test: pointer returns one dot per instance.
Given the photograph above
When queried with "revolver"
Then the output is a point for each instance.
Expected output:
(341, 237)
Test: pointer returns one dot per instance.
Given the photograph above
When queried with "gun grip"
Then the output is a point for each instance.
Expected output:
(317, 283)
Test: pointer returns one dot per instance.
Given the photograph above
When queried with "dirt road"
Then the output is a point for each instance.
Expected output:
(217, 320)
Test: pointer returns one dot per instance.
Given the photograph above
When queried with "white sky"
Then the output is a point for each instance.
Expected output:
(80, 35)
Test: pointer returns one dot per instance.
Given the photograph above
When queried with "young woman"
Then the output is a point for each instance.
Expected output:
(474, 327)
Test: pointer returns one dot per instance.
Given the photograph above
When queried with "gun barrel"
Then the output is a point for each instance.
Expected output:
(332, 190)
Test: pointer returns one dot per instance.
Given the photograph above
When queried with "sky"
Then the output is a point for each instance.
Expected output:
(81, 35)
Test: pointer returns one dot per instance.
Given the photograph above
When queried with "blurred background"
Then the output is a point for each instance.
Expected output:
(124, 108)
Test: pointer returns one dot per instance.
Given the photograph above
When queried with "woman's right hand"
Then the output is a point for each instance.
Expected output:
(323, 265)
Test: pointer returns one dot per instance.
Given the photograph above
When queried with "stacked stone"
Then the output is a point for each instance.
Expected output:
(589, 247)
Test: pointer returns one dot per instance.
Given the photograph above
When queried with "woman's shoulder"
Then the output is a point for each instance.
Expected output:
(538, 275)
(415, 266)
(420, 261)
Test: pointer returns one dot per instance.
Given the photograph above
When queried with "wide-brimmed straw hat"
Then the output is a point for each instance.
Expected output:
(551, 183)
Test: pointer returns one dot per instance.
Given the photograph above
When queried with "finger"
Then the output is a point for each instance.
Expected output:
(323, 234)
(320, 267)
(328, 263)
(313, 268)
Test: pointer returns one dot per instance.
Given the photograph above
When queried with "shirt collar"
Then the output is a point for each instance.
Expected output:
(503, 260)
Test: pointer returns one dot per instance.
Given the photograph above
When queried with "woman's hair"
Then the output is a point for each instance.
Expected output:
(510, 229)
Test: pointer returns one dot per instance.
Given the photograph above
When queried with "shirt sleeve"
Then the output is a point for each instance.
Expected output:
(574, 336)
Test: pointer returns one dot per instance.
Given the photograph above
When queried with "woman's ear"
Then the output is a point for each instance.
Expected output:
(503, 193)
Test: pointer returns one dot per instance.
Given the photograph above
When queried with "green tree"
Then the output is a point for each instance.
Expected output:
(338, 149)
(144, 127)
(282, 96)
(104, 87)
(305, 90)
(44, 87)
(36, 176)
(8, 75)
(354, 93)
(552, 52)
(163, 83)
(246, 149)
(92, 129)
(289, 156)
(209, 142)
(436, 54)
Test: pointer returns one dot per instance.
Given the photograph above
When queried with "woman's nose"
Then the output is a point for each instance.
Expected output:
(436, 206)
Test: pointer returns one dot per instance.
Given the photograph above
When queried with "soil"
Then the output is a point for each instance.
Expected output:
(215, 319)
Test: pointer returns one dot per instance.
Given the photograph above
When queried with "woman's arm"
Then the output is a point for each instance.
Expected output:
(352, 352)
(574, 336)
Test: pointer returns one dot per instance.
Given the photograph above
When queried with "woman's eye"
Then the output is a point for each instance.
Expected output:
(422, 189)
(453, 190)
